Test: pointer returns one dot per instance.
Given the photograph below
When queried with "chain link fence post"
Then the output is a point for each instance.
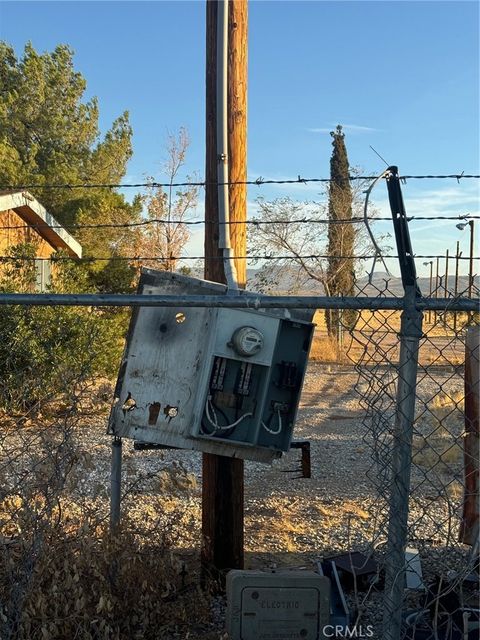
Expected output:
(115, 484)
(410, 334)
(469, 529)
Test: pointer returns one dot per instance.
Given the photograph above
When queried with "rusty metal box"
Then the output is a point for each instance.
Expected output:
(286, 605)
(219, 380)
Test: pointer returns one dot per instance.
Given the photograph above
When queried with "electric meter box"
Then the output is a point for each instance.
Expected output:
(291, 605)
(219, 380)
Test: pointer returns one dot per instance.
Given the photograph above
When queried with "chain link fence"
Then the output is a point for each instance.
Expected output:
(63, 575)
(424, 468)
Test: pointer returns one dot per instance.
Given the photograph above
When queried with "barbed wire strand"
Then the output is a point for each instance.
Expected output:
(257, 182)
(244, 257)
(253, 221)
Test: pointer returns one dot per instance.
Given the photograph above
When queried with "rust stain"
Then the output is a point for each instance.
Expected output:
(153, 411)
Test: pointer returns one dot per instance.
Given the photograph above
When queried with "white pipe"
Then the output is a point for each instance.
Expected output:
(222, 145)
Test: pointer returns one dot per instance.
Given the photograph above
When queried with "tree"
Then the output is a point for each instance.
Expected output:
(298, 252)
(289, 244)
(291, 239)
(167, 210)
(49, 135)
(341, 236)
(46, 351)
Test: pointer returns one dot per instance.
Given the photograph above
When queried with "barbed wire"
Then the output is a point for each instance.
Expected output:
(218, 257)
(257, 182)
(253, 221)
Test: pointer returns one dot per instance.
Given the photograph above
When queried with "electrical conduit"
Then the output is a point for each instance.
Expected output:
(222, 146)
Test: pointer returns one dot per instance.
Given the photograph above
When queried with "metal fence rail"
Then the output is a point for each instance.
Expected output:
(247, 301)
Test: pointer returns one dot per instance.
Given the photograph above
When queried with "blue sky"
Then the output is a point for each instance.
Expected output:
(400, 76)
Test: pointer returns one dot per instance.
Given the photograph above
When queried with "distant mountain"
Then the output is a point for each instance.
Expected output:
(393, 286)
(287, 282)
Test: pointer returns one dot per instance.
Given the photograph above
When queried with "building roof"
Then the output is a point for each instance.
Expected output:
(37, 217)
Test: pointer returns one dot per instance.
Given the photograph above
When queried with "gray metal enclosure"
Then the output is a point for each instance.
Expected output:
(224, 381)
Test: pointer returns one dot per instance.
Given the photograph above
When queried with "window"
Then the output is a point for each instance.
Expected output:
(43, 269)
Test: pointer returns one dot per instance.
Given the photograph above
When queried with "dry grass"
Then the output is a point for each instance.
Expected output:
(284, 520)
(78, 581)
(444, 402)
(376, 333)
(436, 453)
(325, 349)
(62, 574)
(441, 446)
(455, 491)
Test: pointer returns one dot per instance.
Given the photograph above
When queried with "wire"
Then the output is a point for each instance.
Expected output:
(257, 182)
(212, 433)
(253, 221)
(218, 257)
(273, 431)
(378, 253)
(214, 421)
(381, 158)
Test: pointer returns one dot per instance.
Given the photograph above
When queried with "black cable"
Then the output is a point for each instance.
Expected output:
(218, 257)
(253, 221)
(257, 182)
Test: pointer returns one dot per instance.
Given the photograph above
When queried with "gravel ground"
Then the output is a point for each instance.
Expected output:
(291, 521)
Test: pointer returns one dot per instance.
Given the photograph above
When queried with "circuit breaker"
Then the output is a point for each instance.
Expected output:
(219, 380)
(268, 605)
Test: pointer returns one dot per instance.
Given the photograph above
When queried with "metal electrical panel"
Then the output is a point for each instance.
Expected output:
(220, 380)
(292, 605)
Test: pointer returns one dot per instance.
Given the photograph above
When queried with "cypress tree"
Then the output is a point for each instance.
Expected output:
(341, 237)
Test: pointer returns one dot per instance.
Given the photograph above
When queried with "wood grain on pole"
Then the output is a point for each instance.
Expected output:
(237, 130)
(223, 482)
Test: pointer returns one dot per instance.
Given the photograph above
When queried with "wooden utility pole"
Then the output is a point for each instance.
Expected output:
(469, 528)
(222, 485)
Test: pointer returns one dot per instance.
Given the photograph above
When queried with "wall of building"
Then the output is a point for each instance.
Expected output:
(24, 234)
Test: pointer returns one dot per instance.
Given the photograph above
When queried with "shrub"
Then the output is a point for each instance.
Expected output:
(47, 349)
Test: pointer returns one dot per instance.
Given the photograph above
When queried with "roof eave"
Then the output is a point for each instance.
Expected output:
(30, 210)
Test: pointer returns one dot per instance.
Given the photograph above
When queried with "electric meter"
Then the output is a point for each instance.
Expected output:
(247, 341)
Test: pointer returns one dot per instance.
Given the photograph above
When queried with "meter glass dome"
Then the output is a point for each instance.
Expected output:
(247, 341)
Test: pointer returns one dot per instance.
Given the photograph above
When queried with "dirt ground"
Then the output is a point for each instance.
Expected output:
(331, 418)
(292, 521)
